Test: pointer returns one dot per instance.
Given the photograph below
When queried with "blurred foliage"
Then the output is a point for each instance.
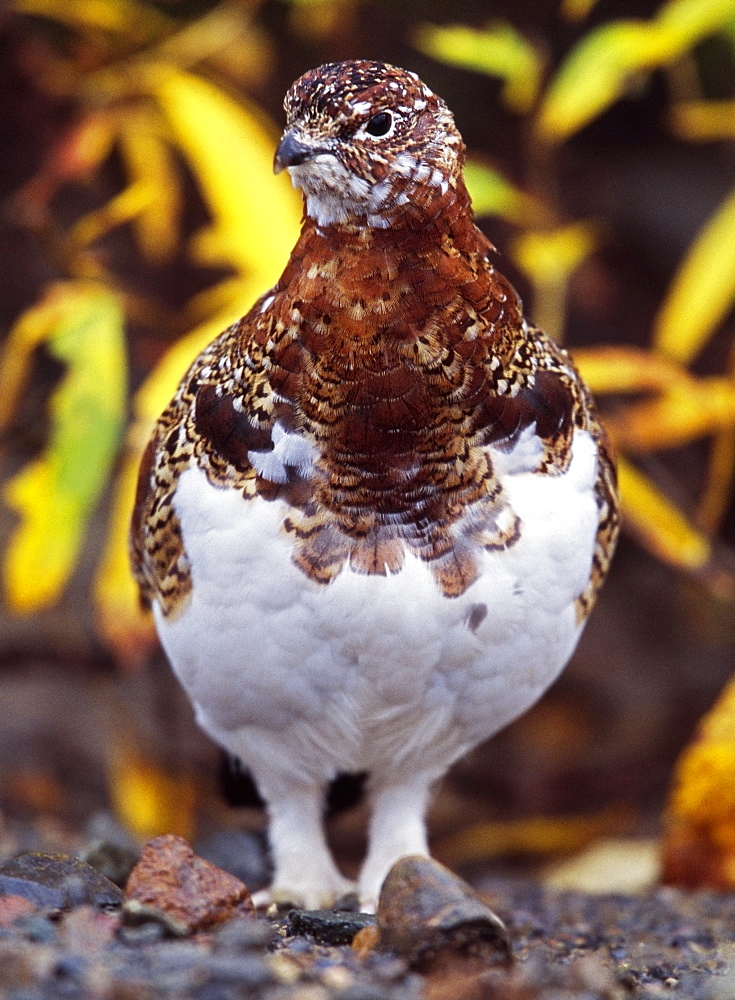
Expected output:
(533, 836)
(148, 799)
(162, 94)
(699, 847)
(82, 325)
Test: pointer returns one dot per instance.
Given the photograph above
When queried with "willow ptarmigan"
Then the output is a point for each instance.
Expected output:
(375, 516)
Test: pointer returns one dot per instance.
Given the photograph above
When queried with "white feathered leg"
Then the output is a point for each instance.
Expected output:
(397, 828)
(304, 871)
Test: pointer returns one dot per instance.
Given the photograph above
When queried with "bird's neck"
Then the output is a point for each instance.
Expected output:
(392, 322)
(365, 285)
(427, 215)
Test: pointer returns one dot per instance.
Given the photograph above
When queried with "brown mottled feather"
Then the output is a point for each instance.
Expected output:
(401, 354)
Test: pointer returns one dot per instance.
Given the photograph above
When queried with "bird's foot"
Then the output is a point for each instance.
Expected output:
(306, 892)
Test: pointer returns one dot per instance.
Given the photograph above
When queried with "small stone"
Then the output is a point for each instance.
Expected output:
(12, 908)
(244, 970)
(86, 931)
(56, 881)
(39, 929)
(114, 861)
(244, 934)
(337, 978)
(138, 914)
(284, 968)
(328, 926)
(192, 892)
(143, 934)
(365, 941)
(426, 911)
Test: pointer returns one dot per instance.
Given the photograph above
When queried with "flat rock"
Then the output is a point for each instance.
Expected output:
(56, 881)
(328, 926)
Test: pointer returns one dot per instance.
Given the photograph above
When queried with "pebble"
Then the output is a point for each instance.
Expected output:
(86, 931)
(192, 893)
(425, 911)
(56, 881)
(244, 935)
(39, 929)
(246, 970)
(12, 908)
(114, 861)
(144, 934)
(328, 926)
(569, 947)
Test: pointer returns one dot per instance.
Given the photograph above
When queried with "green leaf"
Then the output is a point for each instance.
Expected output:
(703, 290)
(498, 50)
(492, 194)
(82, 325)
(599, 70)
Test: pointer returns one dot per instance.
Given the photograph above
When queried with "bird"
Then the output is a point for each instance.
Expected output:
(373, 520)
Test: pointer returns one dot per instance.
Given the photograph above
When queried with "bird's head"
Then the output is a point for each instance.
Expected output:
(363, 139)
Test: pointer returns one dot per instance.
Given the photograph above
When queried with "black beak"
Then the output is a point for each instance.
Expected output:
(291, 152)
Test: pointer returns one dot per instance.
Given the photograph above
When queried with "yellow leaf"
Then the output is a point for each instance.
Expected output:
(699, 847)
(627, 369)
(497, 50)
(148, 800)
(597, 73)
(661, 527)
(230, 148)
(150, 164)
(531, 836)
(599, 70)
(685, 411)
(549, 256)
(703, 289)
(704, 121)
(127, 205)
(576, 10)
(492, 194)
(692, 20)
(140, 22)
(82, 325)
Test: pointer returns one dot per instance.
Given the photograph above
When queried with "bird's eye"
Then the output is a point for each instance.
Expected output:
(380, 124)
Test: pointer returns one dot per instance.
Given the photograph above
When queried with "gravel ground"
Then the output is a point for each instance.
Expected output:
(65, 934)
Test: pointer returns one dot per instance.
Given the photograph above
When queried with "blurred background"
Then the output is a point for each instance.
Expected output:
(139, 216)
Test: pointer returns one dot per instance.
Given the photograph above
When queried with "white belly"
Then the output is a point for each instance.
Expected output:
(374, 671)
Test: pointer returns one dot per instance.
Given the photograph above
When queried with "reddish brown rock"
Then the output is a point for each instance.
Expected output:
(429, 915)
(193, 893)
